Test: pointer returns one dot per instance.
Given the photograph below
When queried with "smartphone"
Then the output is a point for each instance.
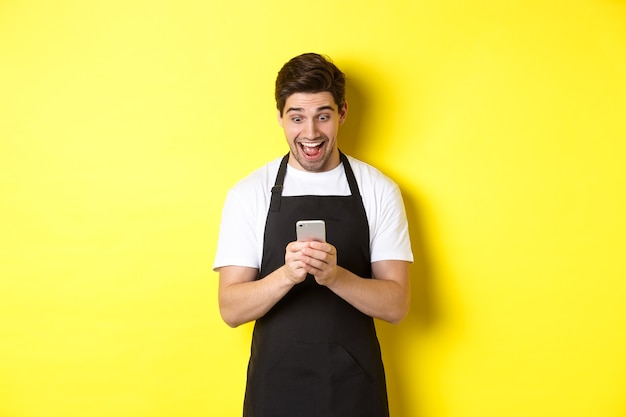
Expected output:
(311, 230)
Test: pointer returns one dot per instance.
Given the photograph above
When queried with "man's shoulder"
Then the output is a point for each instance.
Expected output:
(259, 179)
(367, 173)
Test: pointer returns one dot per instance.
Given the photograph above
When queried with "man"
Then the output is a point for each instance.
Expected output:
(314, 348)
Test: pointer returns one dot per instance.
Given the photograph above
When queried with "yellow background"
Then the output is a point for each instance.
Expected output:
(123, 123)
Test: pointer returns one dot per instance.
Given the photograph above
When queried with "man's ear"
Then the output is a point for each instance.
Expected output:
(343, 112)
(280, 118)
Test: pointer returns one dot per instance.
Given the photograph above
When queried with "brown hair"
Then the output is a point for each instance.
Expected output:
(309, 73)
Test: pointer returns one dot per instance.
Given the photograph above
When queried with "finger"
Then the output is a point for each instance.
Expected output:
(323, 246)
(317, 267)
(322, 260)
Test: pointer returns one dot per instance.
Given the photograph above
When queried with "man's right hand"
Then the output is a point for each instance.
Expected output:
(294, 267)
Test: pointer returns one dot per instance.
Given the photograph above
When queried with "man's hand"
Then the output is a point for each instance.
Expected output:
(320, 260)
(294, 268)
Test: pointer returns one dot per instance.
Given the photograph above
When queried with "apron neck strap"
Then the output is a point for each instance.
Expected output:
(277, 189)
(354, 188)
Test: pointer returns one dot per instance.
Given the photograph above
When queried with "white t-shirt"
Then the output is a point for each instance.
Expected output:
(242, 228)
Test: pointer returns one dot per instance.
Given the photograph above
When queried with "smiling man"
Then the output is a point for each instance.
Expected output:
(311, 122)
(314, 348)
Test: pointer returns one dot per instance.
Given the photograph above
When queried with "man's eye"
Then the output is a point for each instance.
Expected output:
(324, 117)
(296, 119)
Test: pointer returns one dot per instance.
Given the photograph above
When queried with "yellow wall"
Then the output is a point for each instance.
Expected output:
(123, 123)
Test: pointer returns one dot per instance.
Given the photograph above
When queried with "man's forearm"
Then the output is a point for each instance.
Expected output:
(385, 299)
(244, 301)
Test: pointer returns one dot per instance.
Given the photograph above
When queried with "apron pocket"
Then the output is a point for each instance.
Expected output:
(293, 385)
(317, 380)
(354, 393)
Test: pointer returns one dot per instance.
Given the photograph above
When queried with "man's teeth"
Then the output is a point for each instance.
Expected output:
(311, 149)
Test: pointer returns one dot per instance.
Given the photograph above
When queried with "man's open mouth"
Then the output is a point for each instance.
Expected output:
(311, 149)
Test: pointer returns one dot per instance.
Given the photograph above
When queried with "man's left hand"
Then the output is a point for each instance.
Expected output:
(320, 260)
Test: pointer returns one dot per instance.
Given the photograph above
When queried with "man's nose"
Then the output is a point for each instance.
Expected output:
(310, 130)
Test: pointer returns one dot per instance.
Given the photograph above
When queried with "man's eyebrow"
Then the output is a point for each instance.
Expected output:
(319, 109)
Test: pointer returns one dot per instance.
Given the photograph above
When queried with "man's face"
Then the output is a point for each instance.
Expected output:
(311, 122)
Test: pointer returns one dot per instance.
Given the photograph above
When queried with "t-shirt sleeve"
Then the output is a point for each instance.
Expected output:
(237, 241)
(390, 240)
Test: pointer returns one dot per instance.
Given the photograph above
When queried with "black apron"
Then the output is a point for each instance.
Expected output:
(313, 354)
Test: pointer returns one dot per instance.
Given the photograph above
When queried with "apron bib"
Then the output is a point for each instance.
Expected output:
(313, 354)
